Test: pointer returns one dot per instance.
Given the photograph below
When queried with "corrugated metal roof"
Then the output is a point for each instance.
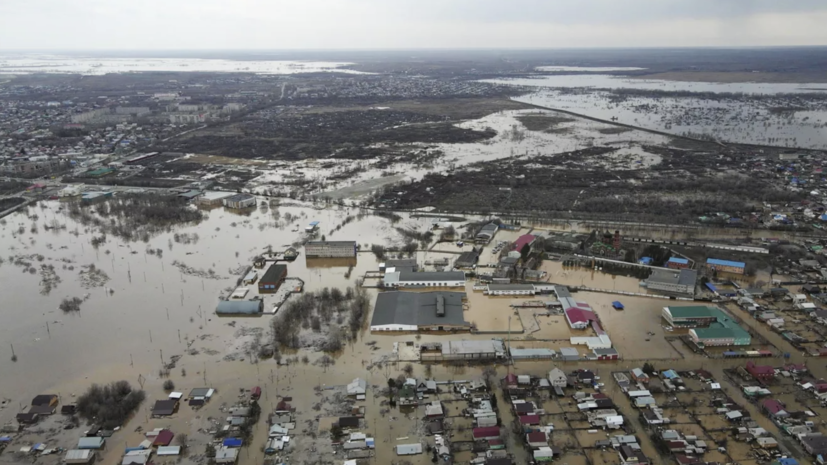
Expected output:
(715, 261)
(236, 307)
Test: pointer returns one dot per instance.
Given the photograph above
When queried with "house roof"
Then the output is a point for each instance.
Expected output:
(164, 407)
(537, 436)
(682, 261)
(274, 273)
(163, 438)
(349, 422)
(199, 392)
(419, 309)
(760, 369)
(772, 406)
(530, 419)
(44, 399)
(486, 432)
(91, 442)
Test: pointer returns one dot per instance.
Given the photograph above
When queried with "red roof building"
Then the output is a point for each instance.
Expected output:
(530, 419)
(163, 438)
(796, 368)
(537, 439)
(486, 432)
(255, 393)
(760, 372)
(511, 380)
(773, 407)
(522, 241)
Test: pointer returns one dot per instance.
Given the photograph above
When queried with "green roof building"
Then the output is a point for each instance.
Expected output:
(711, 326)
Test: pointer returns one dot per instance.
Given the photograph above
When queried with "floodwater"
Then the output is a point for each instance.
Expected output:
(594, 69)
(97, 66)
(607, 81)
(151, 301)
(513, 139)
(739, 119)
(126, 334)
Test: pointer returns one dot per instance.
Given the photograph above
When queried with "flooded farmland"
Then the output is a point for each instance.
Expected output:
(777, 114)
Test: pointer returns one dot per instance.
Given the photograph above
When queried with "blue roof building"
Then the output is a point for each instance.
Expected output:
(716, 262)
(645, 260)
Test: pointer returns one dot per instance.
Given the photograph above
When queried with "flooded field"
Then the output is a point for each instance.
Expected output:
(761, 113)
(64, 64)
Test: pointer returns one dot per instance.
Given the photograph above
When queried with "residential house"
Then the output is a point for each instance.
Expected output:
(760, 372)
(774, 408)
(557, 377)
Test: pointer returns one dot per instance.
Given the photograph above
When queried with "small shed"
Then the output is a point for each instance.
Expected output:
(79, 457)
(169, 450)
(617, 305)
(409, 449)
(91, 443)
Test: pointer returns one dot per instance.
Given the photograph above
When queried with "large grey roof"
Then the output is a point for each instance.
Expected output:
(418, 308)
(683, 277)
(489, 228)
(510, 287)
(431, 276)
(239, 307)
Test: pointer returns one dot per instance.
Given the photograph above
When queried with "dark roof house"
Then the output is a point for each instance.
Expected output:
(165, 408)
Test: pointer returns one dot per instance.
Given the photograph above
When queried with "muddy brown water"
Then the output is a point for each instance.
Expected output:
(109, 339)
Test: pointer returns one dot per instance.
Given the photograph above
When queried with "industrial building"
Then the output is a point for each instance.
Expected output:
(401, 279)
(510, 289)
(272, 279)
(463, 350)
(711, 326)
(213, 198)
(677, 282)
(330, 249)
(726, 266)
(419, 311)
(239, 201)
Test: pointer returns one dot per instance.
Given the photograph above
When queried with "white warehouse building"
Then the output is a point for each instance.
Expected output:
(395, 278)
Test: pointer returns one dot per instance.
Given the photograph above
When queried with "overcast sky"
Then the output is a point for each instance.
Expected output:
(394, 24)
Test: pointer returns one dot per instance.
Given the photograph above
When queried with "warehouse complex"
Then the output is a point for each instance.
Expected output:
(711, 326)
